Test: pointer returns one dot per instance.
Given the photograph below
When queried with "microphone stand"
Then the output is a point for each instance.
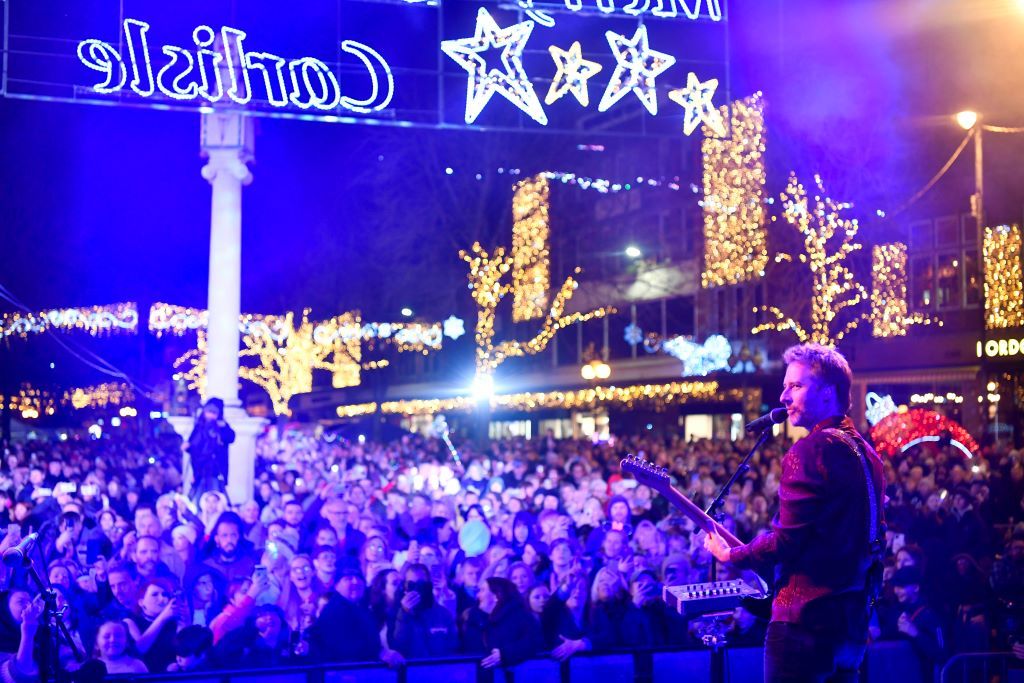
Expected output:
(53, 621)
(719, 642)
(714, 510)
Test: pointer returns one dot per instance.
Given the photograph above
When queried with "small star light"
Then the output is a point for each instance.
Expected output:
(454, 327)
(572, 75)
(636, 67)
(482, 83)
(695, 98)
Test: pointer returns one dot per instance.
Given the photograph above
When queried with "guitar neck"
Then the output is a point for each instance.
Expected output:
(698, 516)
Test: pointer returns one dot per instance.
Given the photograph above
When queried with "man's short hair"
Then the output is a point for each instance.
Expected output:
(827, 365)
(193, 641)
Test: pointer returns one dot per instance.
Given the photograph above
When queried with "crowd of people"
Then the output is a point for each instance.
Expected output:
(363, 551)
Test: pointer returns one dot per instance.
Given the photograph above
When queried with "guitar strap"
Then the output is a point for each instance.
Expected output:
(876, 536)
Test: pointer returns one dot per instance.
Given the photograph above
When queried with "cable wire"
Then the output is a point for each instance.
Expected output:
(942, 171)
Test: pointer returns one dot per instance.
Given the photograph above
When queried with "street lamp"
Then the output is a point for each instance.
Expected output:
(971, 121)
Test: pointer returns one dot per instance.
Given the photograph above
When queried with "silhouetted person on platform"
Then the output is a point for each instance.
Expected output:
(208, 449)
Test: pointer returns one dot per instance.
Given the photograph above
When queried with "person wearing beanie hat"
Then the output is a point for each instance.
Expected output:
(208, 449)
(912, 619)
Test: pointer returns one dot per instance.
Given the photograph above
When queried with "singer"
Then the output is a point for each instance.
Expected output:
(826, 541)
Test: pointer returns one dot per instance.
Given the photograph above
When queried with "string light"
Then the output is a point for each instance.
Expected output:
(658, 395)
(100, 396)
(31, 403)
(1004, 282)
(485, 274)
(194, 362)
(531, 256)
(699, 359)
(96, 320)
(572, 74)
(735, 239)
(899, 431)
(636, 67)
(833, 286)
(481, 83)
(889, 317)
(695, 99)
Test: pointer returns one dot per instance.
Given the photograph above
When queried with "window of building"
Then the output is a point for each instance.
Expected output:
(922, 279)
(949, 281)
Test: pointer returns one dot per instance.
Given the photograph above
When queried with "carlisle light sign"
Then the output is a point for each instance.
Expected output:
(651, 68)
(203, 72)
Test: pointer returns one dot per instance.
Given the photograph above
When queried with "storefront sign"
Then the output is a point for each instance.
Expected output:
(1000, 348)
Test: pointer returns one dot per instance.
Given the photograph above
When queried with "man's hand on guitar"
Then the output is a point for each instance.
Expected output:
(717, 546)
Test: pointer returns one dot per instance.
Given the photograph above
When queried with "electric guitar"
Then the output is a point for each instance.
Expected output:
(658, 479)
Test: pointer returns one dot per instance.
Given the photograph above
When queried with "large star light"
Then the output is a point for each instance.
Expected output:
(511, 82)
(636, 67)
(572, 75)
(695, 98)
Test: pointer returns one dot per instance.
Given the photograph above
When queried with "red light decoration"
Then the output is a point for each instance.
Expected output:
(898, 432)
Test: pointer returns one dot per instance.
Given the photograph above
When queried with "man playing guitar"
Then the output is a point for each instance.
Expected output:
(825, 542)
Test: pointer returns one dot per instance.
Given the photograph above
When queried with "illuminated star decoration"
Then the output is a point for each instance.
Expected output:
(454, 327)
(636, 67)
(482, 83)
(695, 98)
(572, 75)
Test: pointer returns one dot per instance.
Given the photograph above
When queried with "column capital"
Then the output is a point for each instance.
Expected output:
(229, 161)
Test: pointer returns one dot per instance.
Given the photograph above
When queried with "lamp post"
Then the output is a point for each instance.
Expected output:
(971, 121)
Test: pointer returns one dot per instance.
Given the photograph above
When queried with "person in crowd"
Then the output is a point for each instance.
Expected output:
(204, 598)
(207, 448)
(345, 613)
(113, 648)
(228, 553)
(422, 627)
(161, 612)
(242, 594)
(298, 600)
(192, 650)
(505, 631)
(385, 594)
(264, 642)
(914, 620)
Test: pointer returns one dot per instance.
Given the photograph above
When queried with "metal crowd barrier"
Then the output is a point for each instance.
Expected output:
(885, 662)
(982, 667)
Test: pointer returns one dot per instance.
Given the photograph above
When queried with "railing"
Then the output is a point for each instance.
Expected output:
(885, 662)
(969, 667)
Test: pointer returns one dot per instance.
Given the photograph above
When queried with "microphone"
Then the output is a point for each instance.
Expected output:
(773, 417)
(16, 556)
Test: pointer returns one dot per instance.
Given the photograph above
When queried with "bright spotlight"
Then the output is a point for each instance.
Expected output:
(407, 312)
(482, 387)
(633, 251)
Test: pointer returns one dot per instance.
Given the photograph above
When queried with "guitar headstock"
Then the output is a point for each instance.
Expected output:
(647, 473)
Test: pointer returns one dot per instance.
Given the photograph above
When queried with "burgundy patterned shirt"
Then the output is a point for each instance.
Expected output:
(819, 542)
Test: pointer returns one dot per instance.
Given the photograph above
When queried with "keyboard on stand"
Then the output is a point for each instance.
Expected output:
(695, 599)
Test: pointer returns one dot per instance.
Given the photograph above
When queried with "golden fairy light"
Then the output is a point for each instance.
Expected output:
(735, 238)
(530, 252)
(657, 395)
(100, 396)
(889, 309)
(829, 239)
(486, 271)
(1004, 283)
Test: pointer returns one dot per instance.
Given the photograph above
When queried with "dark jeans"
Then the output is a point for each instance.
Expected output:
(827, 645)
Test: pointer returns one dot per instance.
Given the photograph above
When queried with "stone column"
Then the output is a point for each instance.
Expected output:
(227, 143)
